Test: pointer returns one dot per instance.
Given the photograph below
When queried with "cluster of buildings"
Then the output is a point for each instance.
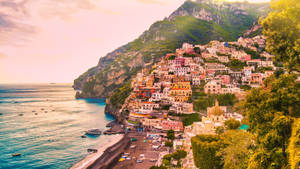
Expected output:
(168, 88)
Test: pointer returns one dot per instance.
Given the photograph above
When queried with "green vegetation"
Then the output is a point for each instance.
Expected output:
(236, 65)
(176, 156)
(263, 69)
(237, 150)
(156, 167)
(278, 72)
(118, 97)
(169, 144)
(282, 31)
(212, 60)
(254, 54)
(171, 135)
(205, 149)
(220, 130)
(202, 102)
(294, 144)
(189, 55)
(255, 33)
(172, 57)
(226, 99)
(197, 50)
(232, 124)
(133, 122)
(229, 150)
(271, 111)
(245, 87)
(187, 119)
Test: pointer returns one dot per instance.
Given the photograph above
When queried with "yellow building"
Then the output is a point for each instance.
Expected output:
(181, 91)
(181, 85)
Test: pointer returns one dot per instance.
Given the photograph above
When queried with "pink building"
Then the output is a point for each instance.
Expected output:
(190, 51)
(245, 58)
(179, 61)
(172, 125)
(256, 78)
(224, 78)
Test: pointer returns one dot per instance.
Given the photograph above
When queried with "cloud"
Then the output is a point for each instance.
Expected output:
(18, 17)
(13, 31)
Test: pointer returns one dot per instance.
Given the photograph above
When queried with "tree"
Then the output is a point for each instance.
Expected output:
(245, 87)
(271, 111)
(236, 152)
(278, 72)
(236, 65)
(169, 143)
(158, 167)
(179, 154)
(220, 130)
(197, 50)
(294, 144)
(205, 148)
(227, 99)
(232, 124)
(167, 159)
(282, 31)
(171, 135)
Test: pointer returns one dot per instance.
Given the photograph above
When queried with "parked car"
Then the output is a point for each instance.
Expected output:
(139, 161)
(152, 160)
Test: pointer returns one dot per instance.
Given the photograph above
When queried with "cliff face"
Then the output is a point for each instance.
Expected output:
(194, 22)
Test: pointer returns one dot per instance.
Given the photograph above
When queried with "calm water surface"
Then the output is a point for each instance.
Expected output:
(45, 123)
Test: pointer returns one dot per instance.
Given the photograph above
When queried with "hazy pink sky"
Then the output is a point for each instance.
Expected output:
(57, 40)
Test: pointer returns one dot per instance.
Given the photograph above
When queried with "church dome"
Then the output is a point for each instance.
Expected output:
(216, 110)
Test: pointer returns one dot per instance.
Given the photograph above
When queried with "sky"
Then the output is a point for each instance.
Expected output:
(57, 40)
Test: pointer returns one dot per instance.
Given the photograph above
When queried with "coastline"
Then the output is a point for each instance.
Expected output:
(93, 157)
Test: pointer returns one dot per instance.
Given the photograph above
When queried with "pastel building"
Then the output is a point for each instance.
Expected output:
(213, 87)
(172, 125)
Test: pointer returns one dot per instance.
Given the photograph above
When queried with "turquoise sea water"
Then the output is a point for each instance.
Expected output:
(45, 123)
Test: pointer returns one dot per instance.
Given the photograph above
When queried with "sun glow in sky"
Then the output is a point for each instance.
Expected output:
(57, 40)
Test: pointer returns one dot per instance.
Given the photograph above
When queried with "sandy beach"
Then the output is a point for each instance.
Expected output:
(91, 158)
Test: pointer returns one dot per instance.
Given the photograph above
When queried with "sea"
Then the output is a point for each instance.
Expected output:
(44, 123)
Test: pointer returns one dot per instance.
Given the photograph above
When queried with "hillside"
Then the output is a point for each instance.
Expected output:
(194, 22)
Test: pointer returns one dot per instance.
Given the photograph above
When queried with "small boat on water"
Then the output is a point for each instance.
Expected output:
(91, 150)
(94, 132)
(16, 154)
(1, 114)
(83, 136)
